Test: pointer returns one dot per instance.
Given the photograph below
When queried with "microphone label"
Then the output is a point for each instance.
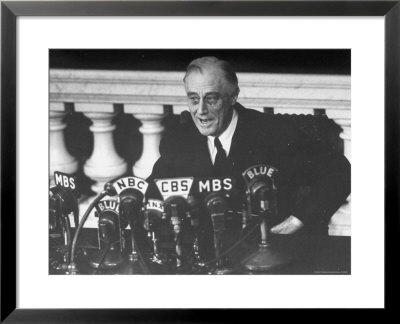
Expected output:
(174, 187)
(260, 170)
(107, 204)
(208, 185)
(130, 183)
(65, 180)
(155, 204)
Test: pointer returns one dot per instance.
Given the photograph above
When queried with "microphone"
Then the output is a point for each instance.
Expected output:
(175, 191)
(111, 188)
(131, 201)
(194, 216)
(262, 194)
(62, 203)
(176, 208)
(109, 256)
(217, 207)
(66, 202)
(194, 210)
(72, 267)
(262, 200)
(154, 216)
(67, 193)
(131, 191)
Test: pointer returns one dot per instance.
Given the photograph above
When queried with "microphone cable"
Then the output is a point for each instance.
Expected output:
(67, 230)
(83, 220)
(103, 257)
(142, 262)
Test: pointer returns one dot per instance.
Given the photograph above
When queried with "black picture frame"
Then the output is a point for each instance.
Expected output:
(11, 10)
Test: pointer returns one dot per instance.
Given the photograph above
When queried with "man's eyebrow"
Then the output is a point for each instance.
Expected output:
(206, 94)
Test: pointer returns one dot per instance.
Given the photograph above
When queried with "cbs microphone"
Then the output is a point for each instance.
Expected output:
(175, 192)
(176, 208)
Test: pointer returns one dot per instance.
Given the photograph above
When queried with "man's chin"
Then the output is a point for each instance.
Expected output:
(206, 131)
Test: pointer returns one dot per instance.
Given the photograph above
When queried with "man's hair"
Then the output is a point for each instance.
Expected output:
(210, 62)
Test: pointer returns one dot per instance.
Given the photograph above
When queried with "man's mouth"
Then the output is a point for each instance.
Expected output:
(205, 121)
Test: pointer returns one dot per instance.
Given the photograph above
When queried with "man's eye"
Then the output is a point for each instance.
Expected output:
(194, 100)
(212, 99)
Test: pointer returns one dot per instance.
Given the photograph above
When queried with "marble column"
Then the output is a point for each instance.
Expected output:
(341, 221)
(151, 117)
(60, 159)
(104, 164)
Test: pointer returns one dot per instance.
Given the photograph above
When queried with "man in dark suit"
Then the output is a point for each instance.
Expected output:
(222, 138)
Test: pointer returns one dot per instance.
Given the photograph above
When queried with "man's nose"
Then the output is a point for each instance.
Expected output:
(202, 107)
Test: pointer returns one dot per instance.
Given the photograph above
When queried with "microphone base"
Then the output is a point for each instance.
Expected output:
(158, 259)
(72, 269)
(112, 260)
(133, 266)
(199, 264)
(266, 259)
(221, 271)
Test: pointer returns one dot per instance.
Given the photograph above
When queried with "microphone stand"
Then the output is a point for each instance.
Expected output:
(220, 269)
(135, 263)
(151, 233)
(110, 256)
(62, 204)
(217, 208)
(193, 215)
(198, 261)
(266, 257)
(176, 223)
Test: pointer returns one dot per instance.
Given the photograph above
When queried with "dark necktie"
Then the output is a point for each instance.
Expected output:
(221, 161)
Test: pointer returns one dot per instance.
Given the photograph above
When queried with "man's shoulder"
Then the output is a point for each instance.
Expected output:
(256, 121)
(181, 134)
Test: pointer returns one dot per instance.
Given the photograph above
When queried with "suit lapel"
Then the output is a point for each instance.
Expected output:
(242, 147)
(202, 165)
(250, 143)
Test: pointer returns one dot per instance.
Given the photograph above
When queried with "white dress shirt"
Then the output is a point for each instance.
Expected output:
(225, 138)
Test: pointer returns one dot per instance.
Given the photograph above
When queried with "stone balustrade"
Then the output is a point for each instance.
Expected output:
(151, 96)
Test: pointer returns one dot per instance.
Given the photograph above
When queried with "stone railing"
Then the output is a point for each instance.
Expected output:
(151, 96)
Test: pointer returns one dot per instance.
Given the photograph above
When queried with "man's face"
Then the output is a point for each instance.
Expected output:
(209, 101)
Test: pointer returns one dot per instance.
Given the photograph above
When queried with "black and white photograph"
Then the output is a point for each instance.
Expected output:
(187, 161)
(199, 161)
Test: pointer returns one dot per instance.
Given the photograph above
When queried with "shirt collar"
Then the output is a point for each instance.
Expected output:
(226, 136)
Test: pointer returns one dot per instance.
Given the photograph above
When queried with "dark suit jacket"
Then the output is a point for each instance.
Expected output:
(312, 180)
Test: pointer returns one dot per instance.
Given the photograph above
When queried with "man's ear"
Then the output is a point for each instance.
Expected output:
(235, 96)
